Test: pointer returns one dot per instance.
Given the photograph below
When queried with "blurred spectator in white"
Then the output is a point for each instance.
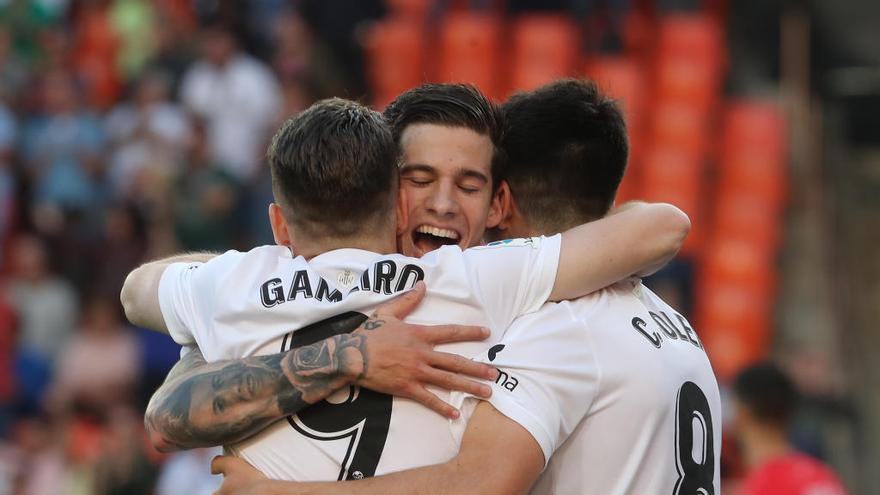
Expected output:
(45, 303)
(100, 365)
(148, 136)
(205, 199)
(238, 97)
(189, 473)
(765, 401)
(62, 148)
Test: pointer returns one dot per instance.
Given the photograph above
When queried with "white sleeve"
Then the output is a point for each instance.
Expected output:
(179, 302)
(548, 377)
(514, 277)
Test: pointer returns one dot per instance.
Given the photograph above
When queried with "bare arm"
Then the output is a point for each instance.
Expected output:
(203, 404)
(489, 432)
(140, 292)
(633, 240)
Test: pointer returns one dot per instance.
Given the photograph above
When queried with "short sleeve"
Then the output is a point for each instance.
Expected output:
(178, 302)
(515, 276)
(548, 376)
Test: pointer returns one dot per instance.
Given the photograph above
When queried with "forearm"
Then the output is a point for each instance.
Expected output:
(637, 239)
(220, 403)
(140, 292)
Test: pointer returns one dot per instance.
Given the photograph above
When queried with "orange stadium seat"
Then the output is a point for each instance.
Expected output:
(694, 36)
(413, 10)
(469, 47)
(623, 79)
(686, 79)
(758, 126)
(752, 171)
(740, 262)
(674, 175)
(545, 47)
(743, 215)
(395, 52)
(679, 125)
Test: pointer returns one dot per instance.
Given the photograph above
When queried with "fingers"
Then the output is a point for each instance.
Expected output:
(401, 306)
(219, 464)
(452, 381)
(461, 365)
(446, 334)
(432, 402)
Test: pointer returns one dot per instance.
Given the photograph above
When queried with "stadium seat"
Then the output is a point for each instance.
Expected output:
(758, 126)
(697, 37)
(395, 58)
(469, 47)
(680, 78)
(411, 10)
(623, 79)
(752, 171)
(544, 48)
(745, 215)
(679, 125)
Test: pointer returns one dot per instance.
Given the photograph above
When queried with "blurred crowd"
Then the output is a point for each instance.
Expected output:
(131, 130)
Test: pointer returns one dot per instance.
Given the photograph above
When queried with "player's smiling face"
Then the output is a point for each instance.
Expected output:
(446, 188)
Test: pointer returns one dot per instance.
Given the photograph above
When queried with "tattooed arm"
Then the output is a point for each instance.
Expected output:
(204, 404)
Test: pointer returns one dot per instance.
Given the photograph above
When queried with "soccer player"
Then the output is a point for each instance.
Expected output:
(335, 153)
(764, 403)
(617, 383)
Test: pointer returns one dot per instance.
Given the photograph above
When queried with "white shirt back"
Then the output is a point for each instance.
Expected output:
(265, 301)
(616, 384)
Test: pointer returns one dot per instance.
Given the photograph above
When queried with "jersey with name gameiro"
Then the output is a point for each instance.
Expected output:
(620, 383)
(265, 301)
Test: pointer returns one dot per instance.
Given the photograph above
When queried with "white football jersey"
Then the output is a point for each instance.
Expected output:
(265, 301)
(618, 385)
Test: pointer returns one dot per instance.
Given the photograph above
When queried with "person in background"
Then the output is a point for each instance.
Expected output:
(189, 473)
(148, 136)
(45, 303)
(238, 97)
(764, 403)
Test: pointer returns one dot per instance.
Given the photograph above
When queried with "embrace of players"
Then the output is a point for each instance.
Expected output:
(381, 347)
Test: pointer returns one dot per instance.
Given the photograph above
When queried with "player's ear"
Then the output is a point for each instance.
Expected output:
(501, 206)
(279, 226)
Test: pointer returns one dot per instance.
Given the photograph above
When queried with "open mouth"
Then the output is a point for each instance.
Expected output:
(428, 238)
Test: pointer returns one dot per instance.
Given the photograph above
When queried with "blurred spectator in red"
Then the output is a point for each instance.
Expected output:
(100, 365)
(764, 401)
(61, 149)
(46, 304)
(148, 136)
(95, 51)
(237, 96)
(8, 379)
(204, 201)
(189, 473)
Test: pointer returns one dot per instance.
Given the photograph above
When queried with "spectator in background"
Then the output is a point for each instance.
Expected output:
(122, 248)
(148, 137)
(61, 149)
(764, 402)
(46, 304)
(204, 201)
(237, 96)
(8, 133)
(99, 366)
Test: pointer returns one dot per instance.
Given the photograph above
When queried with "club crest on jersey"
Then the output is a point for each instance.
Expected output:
(526, 241)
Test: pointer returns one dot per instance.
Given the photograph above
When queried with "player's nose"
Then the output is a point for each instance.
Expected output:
(442, 201)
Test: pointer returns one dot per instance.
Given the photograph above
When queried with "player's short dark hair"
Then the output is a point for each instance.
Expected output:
(451, 105)
(334, 168)
(767, 392)
(567, 150)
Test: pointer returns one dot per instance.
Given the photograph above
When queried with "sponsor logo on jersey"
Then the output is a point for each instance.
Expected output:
(505, 379)
(533, 242)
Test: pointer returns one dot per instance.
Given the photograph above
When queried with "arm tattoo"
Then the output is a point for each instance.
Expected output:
(205, 404)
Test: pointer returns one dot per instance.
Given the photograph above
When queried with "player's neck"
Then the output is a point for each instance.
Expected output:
(309, 249)
(764, 445)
